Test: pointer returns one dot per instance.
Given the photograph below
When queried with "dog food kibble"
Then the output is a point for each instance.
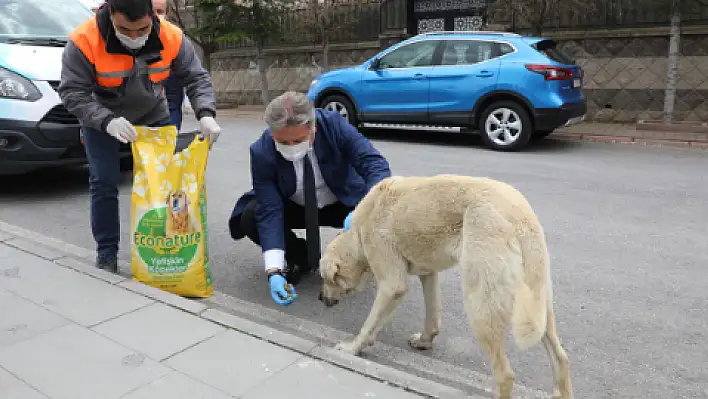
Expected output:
(289, 290)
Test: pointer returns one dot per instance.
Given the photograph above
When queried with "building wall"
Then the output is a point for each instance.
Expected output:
(625, 71)
(237, 81)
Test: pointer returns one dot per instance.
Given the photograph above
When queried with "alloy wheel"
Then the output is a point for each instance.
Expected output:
(503, 126)
(337, 107)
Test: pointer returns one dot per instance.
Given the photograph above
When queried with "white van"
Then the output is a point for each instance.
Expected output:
(35, 129)
(93, 5)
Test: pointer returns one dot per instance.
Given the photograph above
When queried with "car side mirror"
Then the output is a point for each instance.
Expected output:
(376, 64)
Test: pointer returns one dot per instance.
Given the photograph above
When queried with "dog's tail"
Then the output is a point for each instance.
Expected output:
(533, 297)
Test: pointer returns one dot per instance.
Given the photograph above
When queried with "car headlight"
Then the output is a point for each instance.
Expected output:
(16, 87)
(314, 83)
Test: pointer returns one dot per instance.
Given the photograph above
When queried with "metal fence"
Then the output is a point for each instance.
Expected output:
(393, 15)
(366, 20)
(353, 21)
(606, 14)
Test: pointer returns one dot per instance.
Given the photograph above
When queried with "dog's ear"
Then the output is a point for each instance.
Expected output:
(329, 271)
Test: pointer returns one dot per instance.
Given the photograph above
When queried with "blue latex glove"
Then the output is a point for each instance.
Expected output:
(277, 290)
(348, 222)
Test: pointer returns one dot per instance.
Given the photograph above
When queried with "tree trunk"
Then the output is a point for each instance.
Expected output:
(544, 8)
(207, 61)
(672, 72)
(325, 50)
(265, 91)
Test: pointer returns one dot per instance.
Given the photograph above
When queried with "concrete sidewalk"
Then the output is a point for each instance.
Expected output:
(70, 331)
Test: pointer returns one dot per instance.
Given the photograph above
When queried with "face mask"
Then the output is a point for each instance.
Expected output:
(133, 44)
(293, 152)
(127, 41)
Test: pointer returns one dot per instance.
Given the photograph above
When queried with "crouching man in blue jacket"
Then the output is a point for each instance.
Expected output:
(310, 168)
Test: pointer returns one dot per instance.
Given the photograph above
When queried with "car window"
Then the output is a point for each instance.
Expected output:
(411, 55)
(551, 50)
(467, 52)
(505, 48)
(45, 18)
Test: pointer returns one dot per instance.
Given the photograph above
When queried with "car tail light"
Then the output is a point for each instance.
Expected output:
(551, 72)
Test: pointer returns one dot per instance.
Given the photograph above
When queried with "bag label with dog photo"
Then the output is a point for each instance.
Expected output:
(168, 212)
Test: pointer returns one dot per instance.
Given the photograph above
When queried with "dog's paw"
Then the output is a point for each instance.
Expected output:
(558, 395)
(417, 342)
(348, 347)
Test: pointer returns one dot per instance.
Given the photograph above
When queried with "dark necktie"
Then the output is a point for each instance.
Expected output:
(312, 225)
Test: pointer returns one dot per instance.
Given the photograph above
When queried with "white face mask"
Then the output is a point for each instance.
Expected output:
(293, 152)
(130, 43)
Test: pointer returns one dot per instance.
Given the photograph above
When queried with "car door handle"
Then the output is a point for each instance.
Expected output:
(485, 74)
(418, 76)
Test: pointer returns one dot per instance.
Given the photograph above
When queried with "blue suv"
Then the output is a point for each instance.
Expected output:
(509, 87)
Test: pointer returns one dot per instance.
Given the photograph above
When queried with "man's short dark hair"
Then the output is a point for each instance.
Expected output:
(132, 9)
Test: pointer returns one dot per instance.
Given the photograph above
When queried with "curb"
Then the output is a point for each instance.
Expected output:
(629, 140)
(79, 260)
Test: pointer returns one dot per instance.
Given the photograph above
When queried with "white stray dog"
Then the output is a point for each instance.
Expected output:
(424, 225)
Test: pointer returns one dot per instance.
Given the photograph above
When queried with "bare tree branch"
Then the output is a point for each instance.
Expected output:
(537, 12)
(325, 17)
(175, 8)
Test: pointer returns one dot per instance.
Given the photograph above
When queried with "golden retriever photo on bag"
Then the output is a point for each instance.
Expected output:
(178, 220)
(424, 225)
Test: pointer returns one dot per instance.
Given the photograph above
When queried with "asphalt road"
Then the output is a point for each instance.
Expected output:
(626, 228)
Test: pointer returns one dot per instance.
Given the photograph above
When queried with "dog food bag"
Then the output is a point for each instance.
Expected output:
(168, 212)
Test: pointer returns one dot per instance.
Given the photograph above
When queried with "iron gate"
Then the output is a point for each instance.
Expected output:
(446, 15)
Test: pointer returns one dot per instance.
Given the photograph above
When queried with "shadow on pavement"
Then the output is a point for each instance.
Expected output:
(550, 144)
(457, 139)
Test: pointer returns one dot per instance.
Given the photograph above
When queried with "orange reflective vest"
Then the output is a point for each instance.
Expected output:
(111, 69)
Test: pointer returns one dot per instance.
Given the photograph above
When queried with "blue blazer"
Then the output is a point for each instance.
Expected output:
(350, 166)
(174, 92)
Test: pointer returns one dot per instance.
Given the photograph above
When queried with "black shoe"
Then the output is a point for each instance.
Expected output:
(296, 261)
(292, 273)
(107, 263)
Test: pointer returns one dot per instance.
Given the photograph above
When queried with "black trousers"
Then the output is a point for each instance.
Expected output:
(295, 248)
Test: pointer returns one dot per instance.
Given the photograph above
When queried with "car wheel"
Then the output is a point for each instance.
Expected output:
(342, 106)
(506, 126)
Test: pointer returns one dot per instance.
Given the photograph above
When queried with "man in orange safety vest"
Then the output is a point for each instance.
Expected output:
(113, 72)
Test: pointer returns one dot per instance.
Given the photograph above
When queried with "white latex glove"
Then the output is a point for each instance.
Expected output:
(210, 129)
(122, 130)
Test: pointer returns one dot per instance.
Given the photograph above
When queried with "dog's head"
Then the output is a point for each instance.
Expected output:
(343, 270)
(177, 202)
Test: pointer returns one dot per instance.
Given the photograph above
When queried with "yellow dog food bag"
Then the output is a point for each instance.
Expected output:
(168, 212)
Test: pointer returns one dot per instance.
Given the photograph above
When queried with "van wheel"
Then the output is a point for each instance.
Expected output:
(506, 126)
(340, 104)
